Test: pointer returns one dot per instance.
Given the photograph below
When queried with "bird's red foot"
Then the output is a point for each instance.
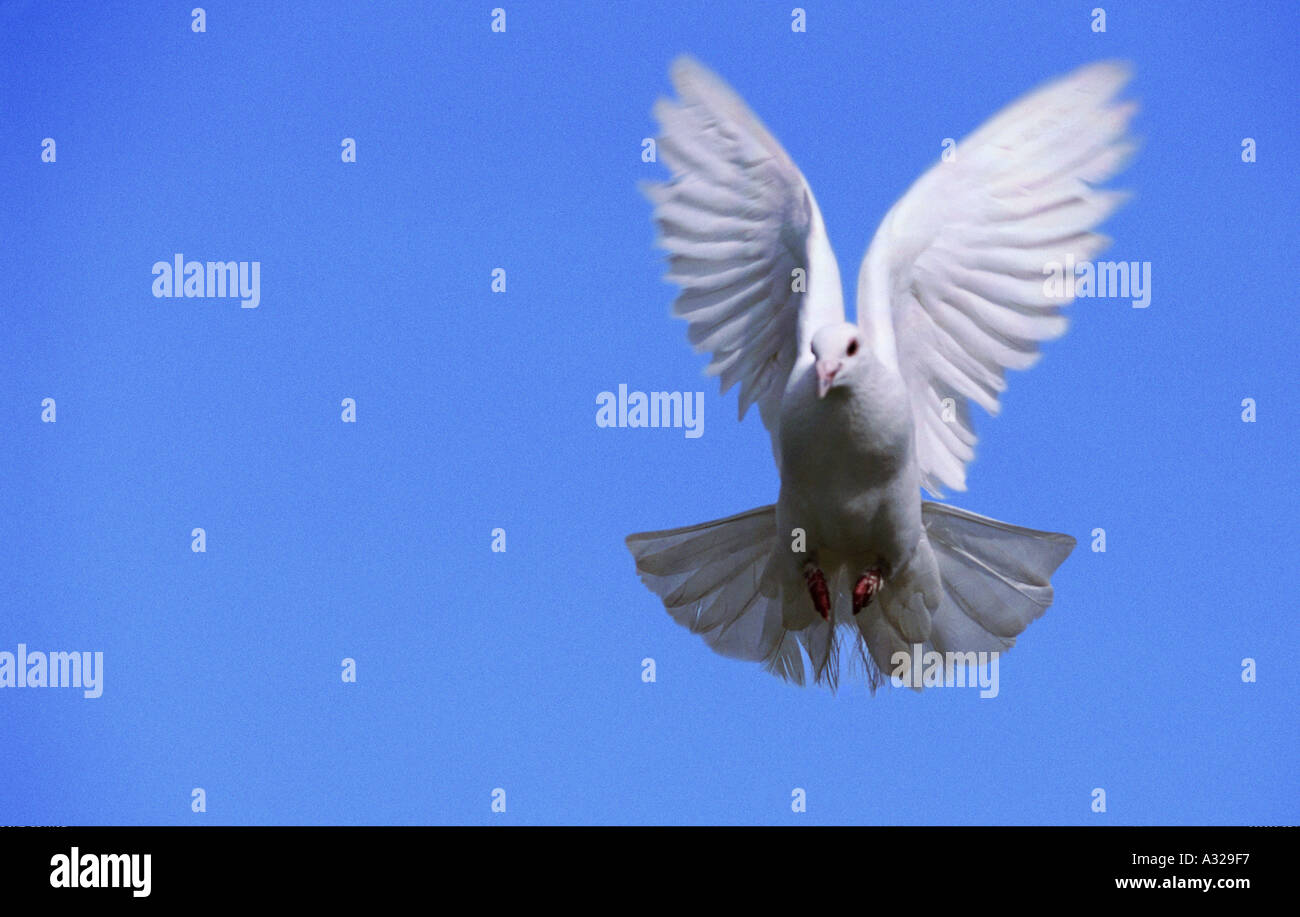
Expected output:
(821, 596)
(866, 588)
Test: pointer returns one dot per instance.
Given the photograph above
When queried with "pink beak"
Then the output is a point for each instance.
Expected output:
(826, 370)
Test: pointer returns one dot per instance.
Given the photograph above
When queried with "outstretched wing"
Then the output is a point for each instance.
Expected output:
(743, 233)
(952, 290)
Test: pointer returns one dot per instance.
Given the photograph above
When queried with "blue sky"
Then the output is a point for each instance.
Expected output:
(476, 410)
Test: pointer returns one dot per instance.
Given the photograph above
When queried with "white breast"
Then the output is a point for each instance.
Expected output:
(847, 464)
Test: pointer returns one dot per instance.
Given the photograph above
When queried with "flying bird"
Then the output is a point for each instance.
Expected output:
(851, 560)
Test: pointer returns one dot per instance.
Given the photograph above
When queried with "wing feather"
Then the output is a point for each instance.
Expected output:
(738, 222)
(951, 291)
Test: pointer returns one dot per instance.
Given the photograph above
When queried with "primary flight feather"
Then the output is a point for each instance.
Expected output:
(862, 416)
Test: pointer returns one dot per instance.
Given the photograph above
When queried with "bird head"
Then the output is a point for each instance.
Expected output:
(838, 350)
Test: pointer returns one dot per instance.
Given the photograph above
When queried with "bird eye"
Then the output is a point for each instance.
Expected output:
(853, 346)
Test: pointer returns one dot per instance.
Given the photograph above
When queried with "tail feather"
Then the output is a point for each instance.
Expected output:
(987, 580)
(997, 577)
(710, 578)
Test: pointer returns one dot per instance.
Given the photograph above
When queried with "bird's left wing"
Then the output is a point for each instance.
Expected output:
(743, 231)
(952, 290)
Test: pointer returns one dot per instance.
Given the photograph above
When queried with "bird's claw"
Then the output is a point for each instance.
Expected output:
(821, 596)
(865, 589)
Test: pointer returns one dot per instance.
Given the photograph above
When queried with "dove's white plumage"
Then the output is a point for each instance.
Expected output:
(950, 296)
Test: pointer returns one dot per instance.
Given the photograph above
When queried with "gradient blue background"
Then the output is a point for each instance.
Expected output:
(480, 670)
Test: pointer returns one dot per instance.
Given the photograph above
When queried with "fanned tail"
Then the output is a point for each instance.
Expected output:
(997, 577)
(974, 584)
(710, 577)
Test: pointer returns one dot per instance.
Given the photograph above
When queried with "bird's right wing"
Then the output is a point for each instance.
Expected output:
(952, 288)
(743, 233)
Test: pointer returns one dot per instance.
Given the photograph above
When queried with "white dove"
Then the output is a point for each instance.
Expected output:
(951, 294)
